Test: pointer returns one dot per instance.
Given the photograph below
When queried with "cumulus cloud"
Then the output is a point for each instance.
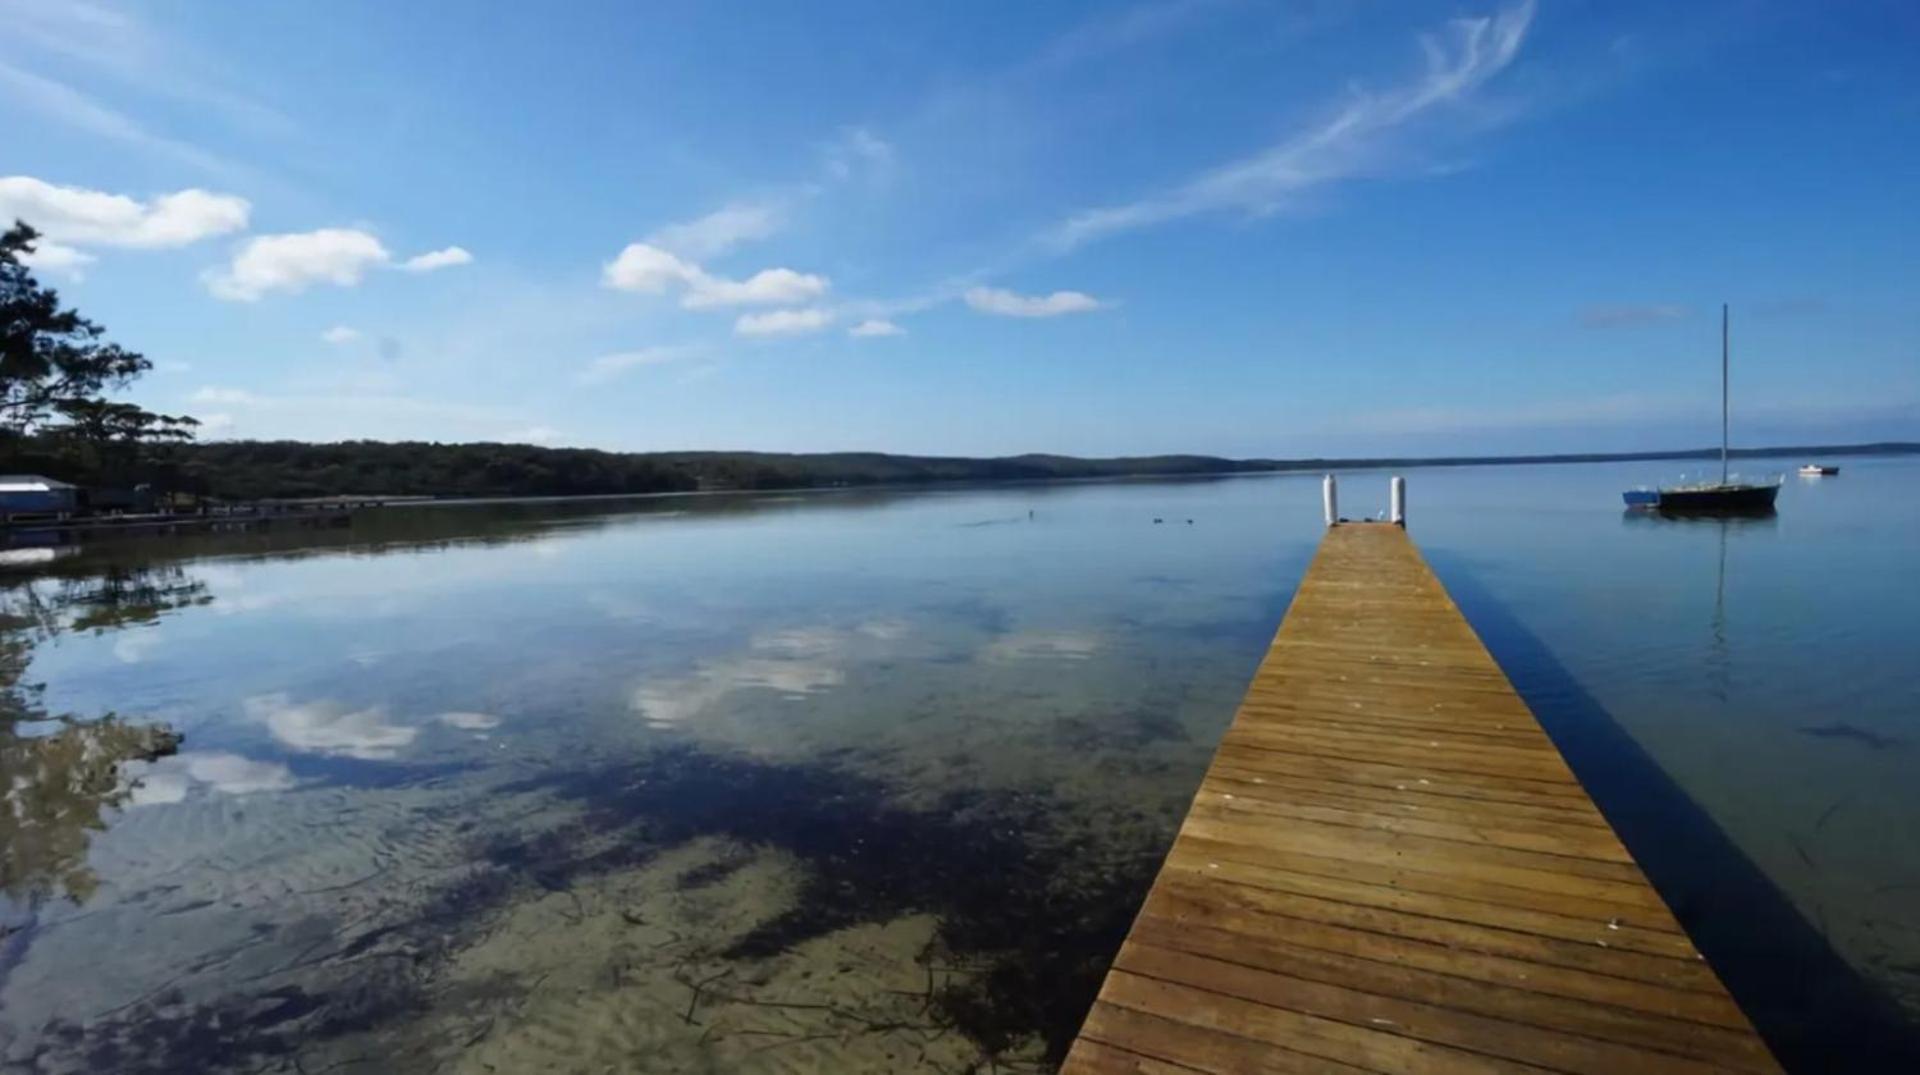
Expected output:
(782, 322)
(327, 727)
(1004, 303)
(719, 231)
(646, 269)
(876, 327)
(294, 262)
(437, 259)
(768, 287)
(51, 257)
(340, 334)
(76, 216)
(1359, 138)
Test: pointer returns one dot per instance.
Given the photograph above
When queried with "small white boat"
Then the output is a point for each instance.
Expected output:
(1815, 470)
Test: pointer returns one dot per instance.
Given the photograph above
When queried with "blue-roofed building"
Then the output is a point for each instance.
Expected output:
(34, 494)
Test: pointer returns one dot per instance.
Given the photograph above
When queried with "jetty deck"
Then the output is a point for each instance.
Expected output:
(1389, 868)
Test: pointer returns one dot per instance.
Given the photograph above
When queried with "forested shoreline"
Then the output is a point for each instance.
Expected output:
(251, 470)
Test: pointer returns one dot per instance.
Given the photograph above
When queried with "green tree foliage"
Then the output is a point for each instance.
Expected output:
(258, 469)
(56, 371)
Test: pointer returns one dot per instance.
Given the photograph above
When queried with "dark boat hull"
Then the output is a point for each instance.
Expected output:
(1717, 500)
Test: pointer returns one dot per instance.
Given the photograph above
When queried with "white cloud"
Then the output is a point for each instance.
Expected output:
(1004, 303)
(782, 322)
(860, 151)
(438, 259)
(212, 425)
(533, 435)
(607, 367)
(719, 231)
(650, 270)
(51, 257)
(327, 727)
(472, 722)
(340, 334)
(293, 262)
(876, 327)
(1354, 140)
(78, 216)
(768, 287)
(224, 396)
(646, 270)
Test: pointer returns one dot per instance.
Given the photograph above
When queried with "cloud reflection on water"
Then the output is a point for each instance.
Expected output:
(328, 727)
(794, 662)
(169, 780)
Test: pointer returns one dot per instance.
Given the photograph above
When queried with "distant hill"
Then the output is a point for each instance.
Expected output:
(256, 469)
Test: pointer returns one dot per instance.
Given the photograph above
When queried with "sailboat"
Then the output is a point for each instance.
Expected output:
(1724, 497)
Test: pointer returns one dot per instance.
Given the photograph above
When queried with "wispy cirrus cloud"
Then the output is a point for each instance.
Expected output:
(143, 58)
(605, 368)
(67, 105)
(723, 229)
(1358, 138)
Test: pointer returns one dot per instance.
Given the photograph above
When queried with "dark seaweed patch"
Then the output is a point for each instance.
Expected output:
(1035, 914)
(1030, 911)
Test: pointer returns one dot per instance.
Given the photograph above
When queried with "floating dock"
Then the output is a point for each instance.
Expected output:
(1390, 868)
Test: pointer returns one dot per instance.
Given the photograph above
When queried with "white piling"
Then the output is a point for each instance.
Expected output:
(1399, 488)
(1332, 500)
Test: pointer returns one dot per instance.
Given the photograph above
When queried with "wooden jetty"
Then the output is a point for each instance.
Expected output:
(1389, 868)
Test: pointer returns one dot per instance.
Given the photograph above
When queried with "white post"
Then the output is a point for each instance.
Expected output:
(1399, 489)
(1332, 499)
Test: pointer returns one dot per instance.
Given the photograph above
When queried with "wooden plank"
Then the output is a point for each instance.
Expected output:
(1390, 867)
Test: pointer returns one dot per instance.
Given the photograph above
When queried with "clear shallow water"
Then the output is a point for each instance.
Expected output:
(865, 780)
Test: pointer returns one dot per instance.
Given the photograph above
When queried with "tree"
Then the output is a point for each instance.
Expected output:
(56, 369)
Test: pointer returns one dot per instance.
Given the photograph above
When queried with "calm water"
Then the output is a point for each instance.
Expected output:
(865, 781)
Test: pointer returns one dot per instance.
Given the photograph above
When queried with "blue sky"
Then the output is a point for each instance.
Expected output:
(1237, 228)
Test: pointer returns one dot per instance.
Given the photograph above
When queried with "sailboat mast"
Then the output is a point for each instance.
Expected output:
(1723, 394)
